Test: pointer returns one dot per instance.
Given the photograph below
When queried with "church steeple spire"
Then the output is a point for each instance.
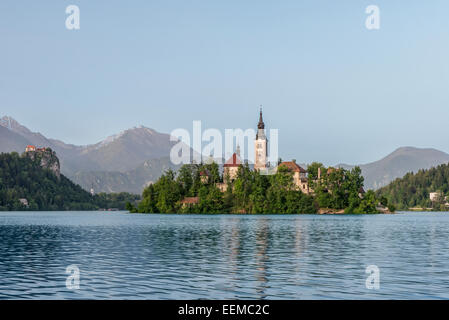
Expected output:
(261, 124)
(260, 145)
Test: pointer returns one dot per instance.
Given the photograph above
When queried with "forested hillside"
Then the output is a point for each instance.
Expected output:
(26, 185)
(413, 190)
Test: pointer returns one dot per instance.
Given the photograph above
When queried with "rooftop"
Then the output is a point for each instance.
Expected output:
(233, 161)
(292, 166)
(190, 200)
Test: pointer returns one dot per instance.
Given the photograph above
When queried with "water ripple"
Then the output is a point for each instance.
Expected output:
(123, 256)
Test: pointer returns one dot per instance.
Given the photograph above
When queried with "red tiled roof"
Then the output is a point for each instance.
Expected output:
(233, 161)
(204, 173)
(292, 166)
(190, 200)
(330, 170)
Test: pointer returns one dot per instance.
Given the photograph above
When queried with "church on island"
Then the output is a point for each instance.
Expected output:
(230, 168)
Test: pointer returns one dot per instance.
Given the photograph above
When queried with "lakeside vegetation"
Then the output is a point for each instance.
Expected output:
(338, 190)
(413, 190)
(26, 185)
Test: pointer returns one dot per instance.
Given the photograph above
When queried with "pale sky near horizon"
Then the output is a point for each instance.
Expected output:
(337, 92)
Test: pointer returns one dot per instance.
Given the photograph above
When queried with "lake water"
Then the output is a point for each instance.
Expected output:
(132, 256)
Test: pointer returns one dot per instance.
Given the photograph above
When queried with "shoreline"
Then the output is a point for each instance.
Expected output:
(341, 212)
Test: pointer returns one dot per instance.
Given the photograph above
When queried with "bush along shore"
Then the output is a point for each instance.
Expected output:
(200, 188)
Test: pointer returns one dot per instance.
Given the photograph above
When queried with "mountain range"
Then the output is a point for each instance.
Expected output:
(127, 161)
(130, 160)
(379, 173)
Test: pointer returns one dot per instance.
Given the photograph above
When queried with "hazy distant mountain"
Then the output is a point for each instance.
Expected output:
(128, 149)
(121, 152)
(11, 141)
(124, 162)
(131, 159)
(133, 181)
(407, 159)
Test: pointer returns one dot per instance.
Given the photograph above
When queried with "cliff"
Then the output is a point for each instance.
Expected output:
(47, 159)
(32, 181)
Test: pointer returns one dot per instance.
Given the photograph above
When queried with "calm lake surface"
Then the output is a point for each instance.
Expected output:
(132, 256)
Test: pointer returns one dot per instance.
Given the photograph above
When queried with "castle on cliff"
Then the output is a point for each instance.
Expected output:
(46, 157)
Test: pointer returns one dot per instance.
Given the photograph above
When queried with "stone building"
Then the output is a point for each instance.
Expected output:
(299, 175)
(230, 168)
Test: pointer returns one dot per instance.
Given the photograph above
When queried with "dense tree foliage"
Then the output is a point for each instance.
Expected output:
(252, 192)
(413, 190)
(115, 200)
(341, 189)
(22, 177)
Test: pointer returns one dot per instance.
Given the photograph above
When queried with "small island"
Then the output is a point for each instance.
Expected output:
(199, 188)
(285, 189)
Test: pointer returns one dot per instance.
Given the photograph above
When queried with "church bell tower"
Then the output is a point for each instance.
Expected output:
(260, 145)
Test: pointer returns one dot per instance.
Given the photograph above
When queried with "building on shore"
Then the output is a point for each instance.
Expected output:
(189, 201)
(24, 202)
(439, 197)
(434, 196)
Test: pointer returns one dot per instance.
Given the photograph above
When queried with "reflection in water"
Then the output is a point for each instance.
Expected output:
(298, 250)
(127, 256)
(234, 248)
(262, 242)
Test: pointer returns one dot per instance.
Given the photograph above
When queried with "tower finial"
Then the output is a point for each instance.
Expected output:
(260, 125)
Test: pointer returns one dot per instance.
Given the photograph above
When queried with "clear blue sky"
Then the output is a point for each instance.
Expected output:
(336, 91)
